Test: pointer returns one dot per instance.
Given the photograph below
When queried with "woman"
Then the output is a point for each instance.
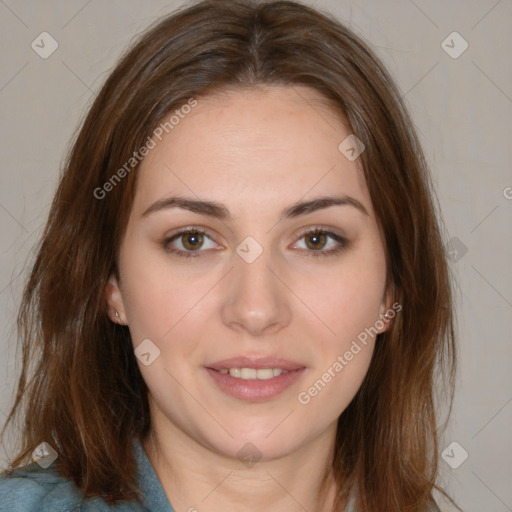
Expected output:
(241, 298)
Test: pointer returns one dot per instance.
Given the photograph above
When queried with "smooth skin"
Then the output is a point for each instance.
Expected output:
(257, 151)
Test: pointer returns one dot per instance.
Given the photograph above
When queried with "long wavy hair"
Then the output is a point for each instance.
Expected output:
(80, 388)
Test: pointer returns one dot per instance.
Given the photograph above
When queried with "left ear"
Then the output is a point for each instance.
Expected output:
(386, 311)
(115, 303)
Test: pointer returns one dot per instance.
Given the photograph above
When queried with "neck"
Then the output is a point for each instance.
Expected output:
(197, 478)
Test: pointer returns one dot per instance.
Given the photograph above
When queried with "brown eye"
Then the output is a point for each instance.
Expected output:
(320, 242)
(192, 240)
(315, 240)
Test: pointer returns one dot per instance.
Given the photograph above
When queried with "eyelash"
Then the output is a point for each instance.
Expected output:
(317, 230)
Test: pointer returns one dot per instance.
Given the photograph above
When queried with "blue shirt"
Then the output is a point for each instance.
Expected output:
(34, 489)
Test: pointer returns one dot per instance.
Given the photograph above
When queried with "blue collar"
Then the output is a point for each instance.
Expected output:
(153, 495)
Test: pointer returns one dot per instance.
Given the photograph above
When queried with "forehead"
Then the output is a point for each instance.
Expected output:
(253, 148)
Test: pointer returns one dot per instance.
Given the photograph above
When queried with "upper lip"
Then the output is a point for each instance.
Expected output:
(256, 363)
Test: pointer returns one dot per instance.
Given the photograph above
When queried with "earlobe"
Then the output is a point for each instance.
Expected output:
(384, 322)
(114, 300)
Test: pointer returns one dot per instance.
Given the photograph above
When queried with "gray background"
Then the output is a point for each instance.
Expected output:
(462, 108)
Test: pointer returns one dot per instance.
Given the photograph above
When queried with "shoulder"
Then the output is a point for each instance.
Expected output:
(33, 488)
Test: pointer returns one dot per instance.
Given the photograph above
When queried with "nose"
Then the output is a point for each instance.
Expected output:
(256, 299)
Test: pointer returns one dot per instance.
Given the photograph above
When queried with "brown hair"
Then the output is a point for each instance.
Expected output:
(80, 385)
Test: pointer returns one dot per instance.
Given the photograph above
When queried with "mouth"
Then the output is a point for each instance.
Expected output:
(254, 379)
(253, 373)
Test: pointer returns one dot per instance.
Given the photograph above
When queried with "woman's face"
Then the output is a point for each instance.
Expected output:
(257, 287)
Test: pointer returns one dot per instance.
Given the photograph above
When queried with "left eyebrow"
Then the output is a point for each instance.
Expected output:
(303, 208)
(219, 211)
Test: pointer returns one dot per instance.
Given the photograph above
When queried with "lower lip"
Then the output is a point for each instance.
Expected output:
(254, 390)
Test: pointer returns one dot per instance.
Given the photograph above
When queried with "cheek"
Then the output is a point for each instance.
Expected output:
(343, 352)
(169, 308)
(328, 393)
(346, 301)
(155, 295)
(348, 307)
(162, 306)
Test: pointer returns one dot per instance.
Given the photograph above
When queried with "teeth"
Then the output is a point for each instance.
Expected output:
(253, 373)
(248, 373)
